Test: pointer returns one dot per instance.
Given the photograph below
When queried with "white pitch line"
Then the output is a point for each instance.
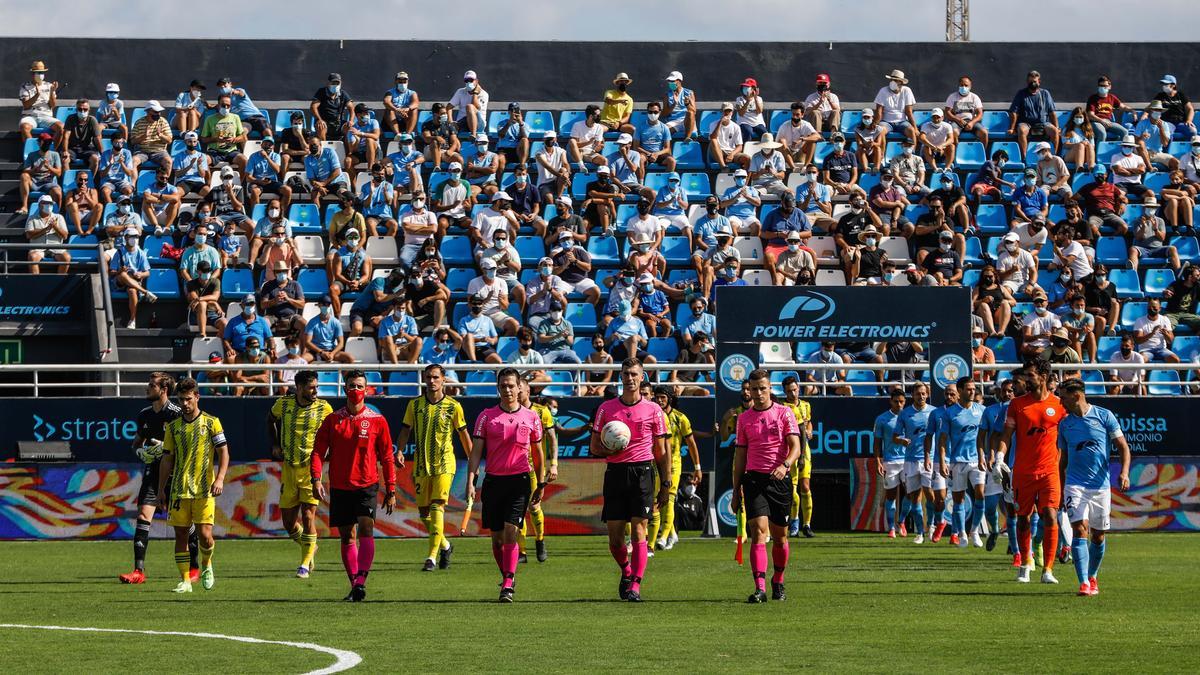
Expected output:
(345, 659)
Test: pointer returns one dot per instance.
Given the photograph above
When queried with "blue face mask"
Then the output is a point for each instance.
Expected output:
(326, 311)
(963, 90)
(567, 244)
(490, 274)
(226, 90)
(334, 88)
(975, 342)
(739, 182)
(201, 239)
(745, 91)
(252, 351)
(1125, 150)
(402, 87)
(1103, 91)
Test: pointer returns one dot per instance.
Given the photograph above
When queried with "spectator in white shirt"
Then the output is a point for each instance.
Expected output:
(1052, 173)
(726, 142)
(1128, 381)
(964, 110)
(554, 172)
(1128, 167)
(1016, 268)
(38, 100)
(1069, 254)
(893, 106)
(1153, 334)
(470, 103)
(749, 108)
(46, 227)
(799, 138)
(822, 107)
(871, 139)
(938, 141)
(587, 140)
(492, 294)
(767, 167)
(1032, 235)
(1037, 326)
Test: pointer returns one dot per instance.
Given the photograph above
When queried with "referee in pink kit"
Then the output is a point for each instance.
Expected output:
(505, 433)
(629, 479)
(766, 446)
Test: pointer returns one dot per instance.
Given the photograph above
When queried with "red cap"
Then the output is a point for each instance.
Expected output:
(750, 82)
(45, 137)
(822, 78)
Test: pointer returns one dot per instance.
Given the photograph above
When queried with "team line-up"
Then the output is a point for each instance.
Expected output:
(641, 439)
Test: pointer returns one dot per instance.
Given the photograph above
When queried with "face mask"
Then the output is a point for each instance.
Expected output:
(1166, 88)
(314, 150)
(443, 117)
(546, 270)
(628, 281)
(673, 86)
(711, 209)
(490, 273)
(418, 204)
(652, 117)
(870, 241)
(521, 180)
(352, 242)
(228, 180)
(118, 146)
(987, 281)
(1126, 151)
(1040, 309)
(976, 342)
(551, 142)
(963, 90)
(1103, 91)
(730, 273)
(796, 121)
(455, 174)
(889, 276)
(1126, 351)
(282, 278)
(739, 181)
(1011, 247)
(248, 310)
(223, 110)
(647, 288)
(642, 248)
(745, 91)
(406, 147)
(46, 209)
(398, 313)
(907, 150)
(81, 114)
(1152, 312)
(838, 146)
(567, 244)
(38, 77)
(944, 246)
(1078, 120)
(481, 147)
(887, 182)
(697, 311)
(501, 242)
(643, 209)
(252, 352)
(445, 345)
(793, 248)
(334, 88)
(356, 396)
(123, 209)
(112, 95)
(856, 207)
(293, 351)
(470, 86)
(894, 86)
(1156, 115)
(812, 177)
(273, 213)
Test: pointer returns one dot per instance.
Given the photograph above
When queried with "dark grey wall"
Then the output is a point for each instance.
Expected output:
(551, 71)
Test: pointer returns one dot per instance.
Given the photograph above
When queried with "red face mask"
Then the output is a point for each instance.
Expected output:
(356, 396)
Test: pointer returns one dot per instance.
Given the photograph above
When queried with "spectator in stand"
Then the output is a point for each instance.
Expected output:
(124, 218)
(226, 201)
(938, 141)
(377, 197)
(944, 264)
(1031, 113)
(150, 137)
(447, 345)
(1037, 326)
(1030, 202)
(81, 138)
(828, 379)
(488, 223)
(698, 352)
(1079, 141)
(1082, 230)
(698, 321)
(129, 269)
(478, 333)
(729, 275)
(1060, 352)
(282, 300)
(330, 109)
(82, 204)
(1069, 255)
(1128, 168)
(1127, 381)
(483, 168)
(654, 139)
(822, 107)
(347, 219)
(401, 106)
(1177, 108)
(554, 170)
(190, 107)
(679, 106)
(888, 200)
(644, 226)
(1183, 296)
(776, 226)
(1103, 202)
(992, 302)
(1031, 235)
(849, 228)
(253, 355)
(713, 259)
(799, 138)
(871, 138)
(566, 220)
(622, 287)
(725, 142)
(324, 339)
(38, 99)
(398, 337)
(1150, 239)
(508, 265)
(544, 291)
(291, 357)
(1153, 334)
(1081, 328)
(1153, 135)
(248, 324)
(628, 168)
(526, 355)
(470, 104)
(161, 202)
(43, 168)
(1101, 298)
(626, 334)
(1179, 200)
(964, 110)
(201, 249)
(323, 171)
(513, 135)
(603, 194)
(252, 118)
(598, 380)
(990, 178)
(1104, 111)
(670, 207)
(526, 201)
(348, 268)
(867, 261)
(494, 294)
(573, 264)
(555, 337)
(840, 168)
(749, 108)
(586, 143)
(653, 308)
(741, 204)
(203, 294)
(420, 226)
(426, 288)
(112, 110)
(375, 300)
(815, 199)
(46, 227)
(954, 201)
(293, 143)
(908, 171)
(1051, 171)
(618, 106)
(223, 135)
(768, 168)
(439, 136)
(893, 106)
(926, 235)
(453, 201)
(190, 167)
(1016, 267)
(705, 232)
(229, 244)
(264, 174)
(403, 168)
(644, 255)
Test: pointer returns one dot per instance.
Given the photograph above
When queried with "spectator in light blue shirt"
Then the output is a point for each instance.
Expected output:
(324, 339)
(767, 166)
(670, 205)
(362, 138)
(705, 233)
(245, 325)
(129, 269)
(202, 249)
(404, 166)
(398, 337)
(741, 204)
(627, 169)
(697, 321)
(1030, 202)
(377, 197)
(263, 175)
(191, 167)
(1153, 136)
(513, 136)
(654, 139)
(322, 170)
(244, 108)
(189, 107)
(401, 105)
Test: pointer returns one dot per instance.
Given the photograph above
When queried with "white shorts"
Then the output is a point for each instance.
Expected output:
(1094, 506)
(583, 285)
(964, 474)
(913, 473)
(679, 222)
(743, 225)
(893, 474)
(991, 486)
(934, 480)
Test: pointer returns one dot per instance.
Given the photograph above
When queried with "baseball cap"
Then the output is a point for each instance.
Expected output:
(514, 106)
(936, 112)
(624, 139)
(1031, 173)
(550, 133)
(547, 259)
(674, 75)
(266, 140)
(487, 264)
(793, 236)
(455, 166)
(224, 80)
(566, 201)
(197, 84)
(1012, 236)
(481, 138)
(190, 136)
(215, 357)
(946, 234)
(44, 136)
(470, 75)
(401, 75)
(1168, 79)
(405, 137)
(910, 268)
(1043, 145)
(645, 278)
(248, 299)
(727, 106)
(1099, 170)
(501, 195)
(227, 172)
(132, 232)
(44, 199)
(788, 198)
(672, 177)
(868, 113)
(565, 234)
(749, 82)
(335, 78)
(112, 86)
(124, 199)
(603, 170)
(154, 105)
(740, 173)
(837, 136)
(822, 78)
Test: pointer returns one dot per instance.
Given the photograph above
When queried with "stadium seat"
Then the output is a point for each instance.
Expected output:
(758, 278)
(1157, 180)
(203, 346)
(313, 282)
(457, 279)
(531, 249)
(603, 251)
(689, 156)
(1157, 281)
(1106, 346)
(663, 349)
(896, 249)
(236, 283)
(1111, 251)
(582, 317)
(1105, 151)
(974, 253)
(1188, 248)
(583, 348)
(1081, 179)
(1005, 349)
(676, 249)
(1186, 347)
(858, 375)
(750, 249)
(566, 120)
(1015, 161)
(777, 378)
(825, 248)
(362, 349)
(677, 276)
(311, 249)
(456, 250)
(970, 278)
(1164, 383)
(481, 383)
(991, 219)
(402, 383)
(283, 119)
(328, 384)
(91, 254)
(830, 278)
(868, 180)
(803, 350)
(563, 384)
(775, 352)
(696, 185)
(849, 120)
(307, 215)
(1126, 282)
(706, 120)
(970, 155)
(1131, 312)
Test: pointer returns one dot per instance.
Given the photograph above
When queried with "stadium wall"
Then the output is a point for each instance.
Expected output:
(580, 71)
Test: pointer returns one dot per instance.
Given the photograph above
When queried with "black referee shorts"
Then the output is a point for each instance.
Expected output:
(505, 500)
(766, 496)
(347, 506)
(628, 491)
(148, 490)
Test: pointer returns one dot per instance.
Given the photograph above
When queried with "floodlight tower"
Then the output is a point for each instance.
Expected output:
(958, 21)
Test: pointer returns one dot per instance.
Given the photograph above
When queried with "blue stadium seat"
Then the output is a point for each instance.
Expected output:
(579, 183)
(307, 215)
(1186, 347)
(1112, 251)
(313, 282)
(1094, 383)
(892, 150)
(84, 255)
(663, 349)
(624, 213)
(1157, 180)
(531, 249)
(283, 119)
(991, 246)
(457, 279)
(144, 180)
(777, 378)
(970, 278)
(859, 375)
(153, 246)
(603, 251)
(566, 120)
(1106, 346)
(506, 346)
(164, 283)
(1126, 282)
(914, 211)
(582, 317)
(1014, 177)
(1131, 312)
(996, 123)
(403, 382)
(868, 180)
(70, 180)
(933, 179)
(991, 219)
(583, 348)
(689, 156)
(456, 250)
(481, 383)
(562, 387)
(1056, 213)
(1014, 162)
(970, 155)
(803, 350)
(676, 249)
(1005, 349)
(1164, 383)
(1188, 248)
(778, 119)
(1080, 179)
(1157, 280)
(327, 384)
(849, 120)
(706, 120)
(675, 276)
(331, 210)
(823, 150)
(1105, 151)
(657, 181)
(539, 122)
(974, 253)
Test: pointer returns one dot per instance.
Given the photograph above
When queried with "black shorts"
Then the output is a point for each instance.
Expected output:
(482, 352)
(510, 156)
(620, 353)
(765, 496)
(505, 500)
(219, 156)
(270, 187)
(347, 506)
(148, 490)
(628, 491)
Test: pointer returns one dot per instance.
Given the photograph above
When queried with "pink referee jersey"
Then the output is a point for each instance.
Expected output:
(764, 433)
(645, 421)
(507, 437)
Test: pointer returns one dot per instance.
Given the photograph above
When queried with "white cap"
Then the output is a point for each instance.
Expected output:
(868, 112)
(455, 165)
(470, 75)
(227, 171)
(112, 86)
(501, 195)
(481, 138)
(1043, 145)
(1012, 236)
(564, 234)
(46, 199)
(674, 75)
(154, 105)
(565, 199)
(190, 136)
(550, 133)
(645, 278)
(936, 112)
(740, 173)
(624, 139)
(603, 170)
(487, 264)
(130, 232)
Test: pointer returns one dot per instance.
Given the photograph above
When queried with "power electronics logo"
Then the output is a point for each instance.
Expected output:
(801, 316)
(7, 310)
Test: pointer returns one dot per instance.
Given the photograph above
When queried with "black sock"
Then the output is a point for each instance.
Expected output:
(194, 547)
(141, 537)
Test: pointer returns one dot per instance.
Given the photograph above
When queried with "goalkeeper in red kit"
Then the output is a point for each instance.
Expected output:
(353, 441)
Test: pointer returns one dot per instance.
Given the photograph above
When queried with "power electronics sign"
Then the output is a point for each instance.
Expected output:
(843, 314)
(43, 297)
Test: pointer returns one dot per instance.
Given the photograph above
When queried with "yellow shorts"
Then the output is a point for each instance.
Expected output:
(198, 511)
(295, 487)
(431, 489)
(806, 472)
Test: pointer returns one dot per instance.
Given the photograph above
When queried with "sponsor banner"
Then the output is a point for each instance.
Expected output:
(44, 297)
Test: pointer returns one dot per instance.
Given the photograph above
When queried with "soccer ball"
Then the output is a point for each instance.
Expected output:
(615, 435)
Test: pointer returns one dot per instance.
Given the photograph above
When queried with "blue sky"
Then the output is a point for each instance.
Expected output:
(569, 20)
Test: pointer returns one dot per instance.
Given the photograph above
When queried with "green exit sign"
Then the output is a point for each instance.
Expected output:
(10, 352)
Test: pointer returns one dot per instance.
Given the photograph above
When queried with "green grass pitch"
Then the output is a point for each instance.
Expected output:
(856, 603)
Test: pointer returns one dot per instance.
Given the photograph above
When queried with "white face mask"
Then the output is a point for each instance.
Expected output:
(282, 277)
(652, 117)
(1166, 88)
(944, 246)
(418, 204)
(1011, 247)
(273, 213)
(894, 86)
